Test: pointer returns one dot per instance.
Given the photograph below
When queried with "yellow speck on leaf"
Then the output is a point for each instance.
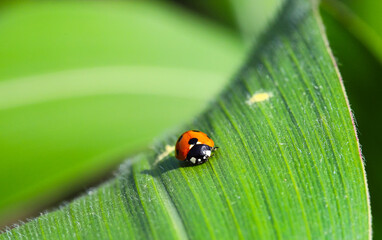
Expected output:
(259, 97)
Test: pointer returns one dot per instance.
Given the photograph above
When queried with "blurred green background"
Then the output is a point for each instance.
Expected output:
(85, 84)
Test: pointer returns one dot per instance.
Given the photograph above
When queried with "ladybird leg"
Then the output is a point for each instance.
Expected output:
(213, 150)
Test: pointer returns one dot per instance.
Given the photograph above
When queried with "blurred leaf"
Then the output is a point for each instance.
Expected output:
(288, 166)
(218, 10)
(50, 36)
(362, 70)
(251, 18)
(369, 11)
(356, 26)
(84, 83)
(254, 16)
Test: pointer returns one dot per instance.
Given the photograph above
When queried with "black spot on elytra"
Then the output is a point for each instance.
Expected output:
(177, 152)
(193, 141)
(180, 138)
(195, 130)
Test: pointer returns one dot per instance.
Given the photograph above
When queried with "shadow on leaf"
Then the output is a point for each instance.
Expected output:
(165, 165)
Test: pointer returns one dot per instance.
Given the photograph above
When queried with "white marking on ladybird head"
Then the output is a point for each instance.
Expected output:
(259, 97)
(198, 143)
(193, 160)
(191, 145)
(199, 160)
(208, 153)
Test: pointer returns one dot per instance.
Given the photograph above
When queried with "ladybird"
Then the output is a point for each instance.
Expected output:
(195, 147)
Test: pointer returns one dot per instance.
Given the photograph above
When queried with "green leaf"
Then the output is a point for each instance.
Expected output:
(250, 17)
(368, 32)
(74, 78)
(80, 35)
(288, 166)
(361, 68)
